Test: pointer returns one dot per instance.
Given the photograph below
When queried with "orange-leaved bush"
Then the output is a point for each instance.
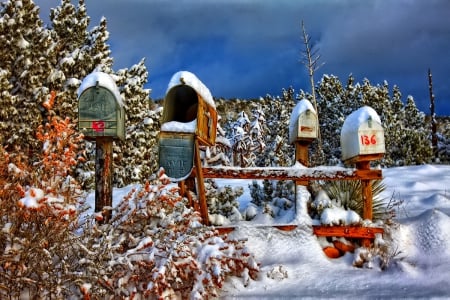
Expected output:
(155, 246)
(39, 209)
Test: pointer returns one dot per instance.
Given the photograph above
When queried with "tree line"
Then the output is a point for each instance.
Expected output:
(42, 62)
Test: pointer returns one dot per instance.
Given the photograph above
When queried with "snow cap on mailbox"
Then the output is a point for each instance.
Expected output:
(100, 107)
(304, 124)
(362, 134)
(189, 101)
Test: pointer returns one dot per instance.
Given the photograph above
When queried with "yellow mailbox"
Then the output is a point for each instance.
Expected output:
(304, 124)
(100, 107)
(362, 135)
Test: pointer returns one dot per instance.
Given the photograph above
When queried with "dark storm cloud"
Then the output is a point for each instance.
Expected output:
(247, 48)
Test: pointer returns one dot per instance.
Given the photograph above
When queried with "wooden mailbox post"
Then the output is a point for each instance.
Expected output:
(101, 118)
(189, 121)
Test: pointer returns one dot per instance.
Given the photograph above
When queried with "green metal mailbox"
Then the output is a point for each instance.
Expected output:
(100, 107)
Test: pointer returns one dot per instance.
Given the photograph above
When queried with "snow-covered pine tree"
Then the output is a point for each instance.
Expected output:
(332, 112)
(135, 157)
(8, 111)
(393, 124)
(277, 111)
(26, 58)
(257, 130)
(241, 141)
(220, 153)
(256, 193)
(69, 29)
(416, 144)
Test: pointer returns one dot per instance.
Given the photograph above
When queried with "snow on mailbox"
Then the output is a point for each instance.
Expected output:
(304, 123)
(362, 135)
(100, 107)
(188, 100)
(189, 113)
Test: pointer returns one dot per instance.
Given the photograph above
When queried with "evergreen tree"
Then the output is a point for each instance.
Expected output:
(241, 141)
(278, 151)
(268, 190)
(135, 157)
(8, 111)
(256, 193)
(416, 144)
(69, 29)
(26, 57)
(393, 125)
(218, 154)
(332, 112)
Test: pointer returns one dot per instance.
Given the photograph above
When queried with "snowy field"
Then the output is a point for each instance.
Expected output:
(293, 264)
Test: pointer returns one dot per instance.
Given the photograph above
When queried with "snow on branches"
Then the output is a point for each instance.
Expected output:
(154, 246)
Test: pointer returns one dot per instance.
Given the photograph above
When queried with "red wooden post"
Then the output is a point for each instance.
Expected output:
(302, 156)
(367, 197)
(366, 191)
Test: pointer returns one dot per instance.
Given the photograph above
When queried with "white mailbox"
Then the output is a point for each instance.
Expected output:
(362, 135)
(304, 123)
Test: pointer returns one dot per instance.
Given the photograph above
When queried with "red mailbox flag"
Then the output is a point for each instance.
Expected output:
(98, 126)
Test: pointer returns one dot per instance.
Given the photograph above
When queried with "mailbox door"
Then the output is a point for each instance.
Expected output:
(371, 139)
(98, 113)
(206, 123)
(307, 126)
(176, 154)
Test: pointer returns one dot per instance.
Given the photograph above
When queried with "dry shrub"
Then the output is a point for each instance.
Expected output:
(157, 248)
(153, 246)
(38, 215)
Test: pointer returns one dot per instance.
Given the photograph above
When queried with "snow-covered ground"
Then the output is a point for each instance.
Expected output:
(293, 264)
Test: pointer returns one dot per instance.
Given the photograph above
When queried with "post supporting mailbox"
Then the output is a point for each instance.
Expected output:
(101, 117)
(189, 121)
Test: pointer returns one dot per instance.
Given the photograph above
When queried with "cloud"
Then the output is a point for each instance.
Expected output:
(247, 48)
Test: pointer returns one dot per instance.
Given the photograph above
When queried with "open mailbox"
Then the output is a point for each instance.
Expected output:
(362, 136)
(189, 113)
(100, 107)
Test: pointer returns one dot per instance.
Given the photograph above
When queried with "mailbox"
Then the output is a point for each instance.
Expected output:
(304, 123)
(187, 100)
(189, 113)
(362, 135)
(100, 107)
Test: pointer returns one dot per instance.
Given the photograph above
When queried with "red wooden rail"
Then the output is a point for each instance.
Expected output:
(301, 173)
(297, 173)
(358, 232)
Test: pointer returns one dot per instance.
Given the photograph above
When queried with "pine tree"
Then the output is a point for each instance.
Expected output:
(241, 141)
(8, 111)
(393, 125)
(332, 112)
(278, 110)
(26, 57)
(135, 157)
(69, 29)
(416, 145)
(219, 153)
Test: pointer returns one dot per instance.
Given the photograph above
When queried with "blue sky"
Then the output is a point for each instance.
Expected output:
(250, 48)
